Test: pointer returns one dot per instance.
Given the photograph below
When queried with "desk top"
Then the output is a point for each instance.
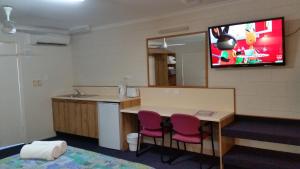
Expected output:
(168, 111)
(100, 98)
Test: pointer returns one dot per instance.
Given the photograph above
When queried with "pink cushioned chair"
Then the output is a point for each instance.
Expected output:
(150, 124)
(188, 129)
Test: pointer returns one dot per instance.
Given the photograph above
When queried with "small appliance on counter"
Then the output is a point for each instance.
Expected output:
(122, 90)
(133, 92)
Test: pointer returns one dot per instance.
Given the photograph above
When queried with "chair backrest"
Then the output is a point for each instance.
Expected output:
(185, 124)
(149, 120)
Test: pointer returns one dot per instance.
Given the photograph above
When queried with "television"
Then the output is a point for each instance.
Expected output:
(254, 43)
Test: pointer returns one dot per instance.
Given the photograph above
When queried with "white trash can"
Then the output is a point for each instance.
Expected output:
(132, 141)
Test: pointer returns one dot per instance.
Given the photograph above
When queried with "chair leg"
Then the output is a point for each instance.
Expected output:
(201, 148)
(201, 164)
(154, 140)
(184, 146)
(212, 139)
(178, 154)
(141, 150)
(201, 151)
(170, 149)
(171, 142)
(162, 149)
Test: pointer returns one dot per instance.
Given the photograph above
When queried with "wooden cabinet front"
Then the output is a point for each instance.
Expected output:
(75, 117)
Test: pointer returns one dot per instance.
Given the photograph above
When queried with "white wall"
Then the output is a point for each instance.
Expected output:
(190, 63)
(10, 113)
(106, 55)
(51, 65)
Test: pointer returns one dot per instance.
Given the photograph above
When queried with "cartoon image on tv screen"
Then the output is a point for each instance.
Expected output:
(249, 43)
(225, 43)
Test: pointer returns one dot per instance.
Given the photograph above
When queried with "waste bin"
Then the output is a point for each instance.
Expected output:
(132, 141)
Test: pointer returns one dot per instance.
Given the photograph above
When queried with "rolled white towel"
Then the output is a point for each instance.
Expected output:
(43, 152)
(60, 143)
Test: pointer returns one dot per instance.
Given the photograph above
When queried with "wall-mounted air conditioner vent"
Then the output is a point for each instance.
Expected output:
(50, 39)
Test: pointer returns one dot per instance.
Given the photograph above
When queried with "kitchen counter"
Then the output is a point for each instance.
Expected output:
(100, 98)
(81, 115)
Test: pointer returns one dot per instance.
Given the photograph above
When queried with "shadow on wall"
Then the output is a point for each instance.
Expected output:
(292, 42)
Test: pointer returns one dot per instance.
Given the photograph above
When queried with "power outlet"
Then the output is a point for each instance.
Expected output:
(35, 83)
(39, 83)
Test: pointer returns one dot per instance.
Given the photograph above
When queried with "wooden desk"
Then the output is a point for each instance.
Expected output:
(221, 119)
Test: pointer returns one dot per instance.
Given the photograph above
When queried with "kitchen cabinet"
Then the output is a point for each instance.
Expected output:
(75, 117)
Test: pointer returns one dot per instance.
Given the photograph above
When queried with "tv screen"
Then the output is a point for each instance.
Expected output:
(255, 43)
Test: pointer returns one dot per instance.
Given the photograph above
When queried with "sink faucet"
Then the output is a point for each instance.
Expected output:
(77, 92)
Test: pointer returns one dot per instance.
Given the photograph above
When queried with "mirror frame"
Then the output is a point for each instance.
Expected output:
(175, 35)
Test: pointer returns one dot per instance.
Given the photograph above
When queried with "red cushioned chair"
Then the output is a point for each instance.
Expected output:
(188, 129)
(150, 124)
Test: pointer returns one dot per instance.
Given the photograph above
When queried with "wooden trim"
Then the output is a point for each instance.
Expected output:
(128, 122)
(130, 103)
(234, 101)
(225, 143)
(147, 60)
(270, 117)
(206, 60)
(175, 35)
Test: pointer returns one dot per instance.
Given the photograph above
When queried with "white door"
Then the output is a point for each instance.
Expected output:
(10, 111)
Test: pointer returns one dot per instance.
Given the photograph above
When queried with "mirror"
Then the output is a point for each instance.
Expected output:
(179, 60)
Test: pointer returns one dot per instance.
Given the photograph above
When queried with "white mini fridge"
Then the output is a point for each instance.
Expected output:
(109, 125)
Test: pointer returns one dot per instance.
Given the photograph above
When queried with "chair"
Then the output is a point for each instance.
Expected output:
(150, 124)
(188, 129)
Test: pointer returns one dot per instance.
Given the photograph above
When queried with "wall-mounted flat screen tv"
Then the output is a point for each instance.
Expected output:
(254, 43)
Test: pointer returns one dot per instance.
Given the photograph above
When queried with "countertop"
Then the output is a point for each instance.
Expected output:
(100, 98)
(168, 111)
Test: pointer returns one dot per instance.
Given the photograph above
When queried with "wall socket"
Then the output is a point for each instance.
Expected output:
(37, 83)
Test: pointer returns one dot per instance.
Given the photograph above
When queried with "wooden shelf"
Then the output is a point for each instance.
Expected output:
(240, 157)
(264, 129)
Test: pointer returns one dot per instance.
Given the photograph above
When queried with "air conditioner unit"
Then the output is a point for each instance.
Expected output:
(50, 39)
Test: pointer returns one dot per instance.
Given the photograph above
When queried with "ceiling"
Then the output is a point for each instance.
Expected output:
(63, 15)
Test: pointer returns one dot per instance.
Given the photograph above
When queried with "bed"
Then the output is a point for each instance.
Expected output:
(74, 158)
